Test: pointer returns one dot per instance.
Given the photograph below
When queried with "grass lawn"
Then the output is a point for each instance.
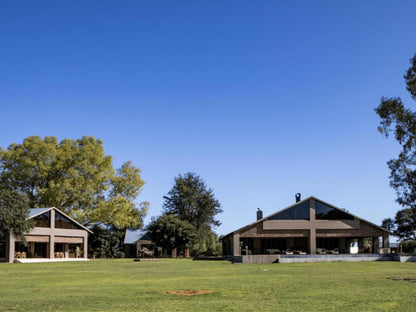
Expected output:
(125, 285)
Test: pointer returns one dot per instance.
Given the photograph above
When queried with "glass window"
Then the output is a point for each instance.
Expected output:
(274, 243)
(43, 220)
(62, 222)
(325, 212)
(146, 237)
(2, 249)
(298, 212)
(327, 243)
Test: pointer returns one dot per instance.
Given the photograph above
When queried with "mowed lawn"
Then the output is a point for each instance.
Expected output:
(125, 285)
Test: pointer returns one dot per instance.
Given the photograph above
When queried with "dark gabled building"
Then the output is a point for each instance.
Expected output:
(135, 241)
(310, 226)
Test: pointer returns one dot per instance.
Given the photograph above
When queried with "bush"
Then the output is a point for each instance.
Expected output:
(120, 254)
(408, 246)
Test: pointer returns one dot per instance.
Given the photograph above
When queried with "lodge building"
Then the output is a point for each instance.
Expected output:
(55, 236)
(310, 226)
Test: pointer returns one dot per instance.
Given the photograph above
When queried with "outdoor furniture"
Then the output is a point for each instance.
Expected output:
(273, 251)
(146, 252)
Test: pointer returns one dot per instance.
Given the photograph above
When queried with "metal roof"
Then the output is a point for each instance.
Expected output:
(33, 212)
(36, 211)
(133, 236)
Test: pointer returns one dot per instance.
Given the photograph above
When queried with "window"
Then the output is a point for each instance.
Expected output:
(2, 249)
(325, 212)
(327, 243)
(62, 222)
(43, 220)
(298, 212)
(274, 243)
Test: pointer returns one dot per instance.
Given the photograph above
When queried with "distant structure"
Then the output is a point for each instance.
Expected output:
(310, 226)
(56, 236)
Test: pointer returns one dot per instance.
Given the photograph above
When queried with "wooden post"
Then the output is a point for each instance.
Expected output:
(186, 253)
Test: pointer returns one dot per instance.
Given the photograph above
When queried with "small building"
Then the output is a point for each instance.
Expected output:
(55, 236)
(310, 226)
(137, 243)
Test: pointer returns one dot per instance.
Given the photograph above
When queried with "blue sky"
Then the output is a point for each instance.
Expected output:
(262, 99)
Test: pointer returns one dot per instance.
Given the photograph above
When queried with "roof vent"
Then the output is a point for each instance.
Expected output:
(297, 197)
(259, 214)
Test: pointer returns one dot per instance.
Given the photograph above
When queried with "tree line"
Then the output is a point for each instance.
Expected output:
(77, 177)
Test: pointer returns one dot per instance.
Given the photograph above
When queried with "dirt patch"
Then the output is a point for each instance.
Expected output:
(187, 292)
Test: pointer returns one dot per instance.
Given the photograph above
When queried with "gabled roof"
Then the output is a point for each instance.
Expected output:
(33, 212)
(132, 236)
(300, 202)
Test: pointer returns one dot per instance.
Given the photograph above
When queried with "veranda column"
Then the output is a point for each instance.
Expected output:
(386, 243)
(312, 241)
(236, 245)
(52, 235)
(312, 231)
(85, 255)
(11, 244)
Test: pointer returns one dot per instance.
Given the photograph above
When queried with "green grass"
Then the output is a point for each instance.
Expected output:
(125, 285)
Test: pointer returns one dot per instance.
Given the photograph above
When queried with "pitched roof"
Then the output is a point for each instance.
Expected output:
(33, 212)
(133, 236)
(310, 197)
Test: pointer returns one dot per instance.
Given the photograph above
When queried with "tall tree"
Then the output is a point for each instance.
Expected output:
(75, 176)
(14, 211)
(401, 121)
(190, 200)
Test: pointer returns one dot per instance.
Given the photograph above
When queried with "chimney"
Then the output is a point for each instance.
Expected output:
(297, 197)
(259, 214)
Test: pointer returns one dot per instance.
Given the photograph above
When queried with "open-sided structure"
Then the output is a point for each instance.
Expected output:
(138, 243)
(310, 226)
(55, 236)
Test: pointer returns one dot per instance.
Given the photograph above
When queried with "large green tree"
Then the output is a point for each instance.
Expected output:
(400, 121)
(190, 200)
(14, 211)
(170, 232)
(75, 176)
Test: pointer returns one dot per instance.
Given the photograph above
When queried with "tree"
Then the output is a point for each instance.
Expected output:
(205, 243)
(191, 201)
(170, 232)
(401, 121)
(389, 225)
(14, 211)
(406, 224)
(75, 176)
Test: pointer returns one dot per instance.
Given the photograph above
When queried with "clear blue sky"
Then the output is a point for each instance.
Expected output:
(262, 99)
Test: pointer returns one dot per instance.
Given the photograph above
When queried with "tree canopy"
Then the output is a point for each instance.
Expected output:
(191, 200)
(401, 121)
(14, 211)
(75, 176)
(169, 231)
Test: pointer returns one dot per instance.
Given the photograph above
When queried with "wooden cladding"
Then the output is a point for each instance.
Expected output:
(75, 240)
(37, 238)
